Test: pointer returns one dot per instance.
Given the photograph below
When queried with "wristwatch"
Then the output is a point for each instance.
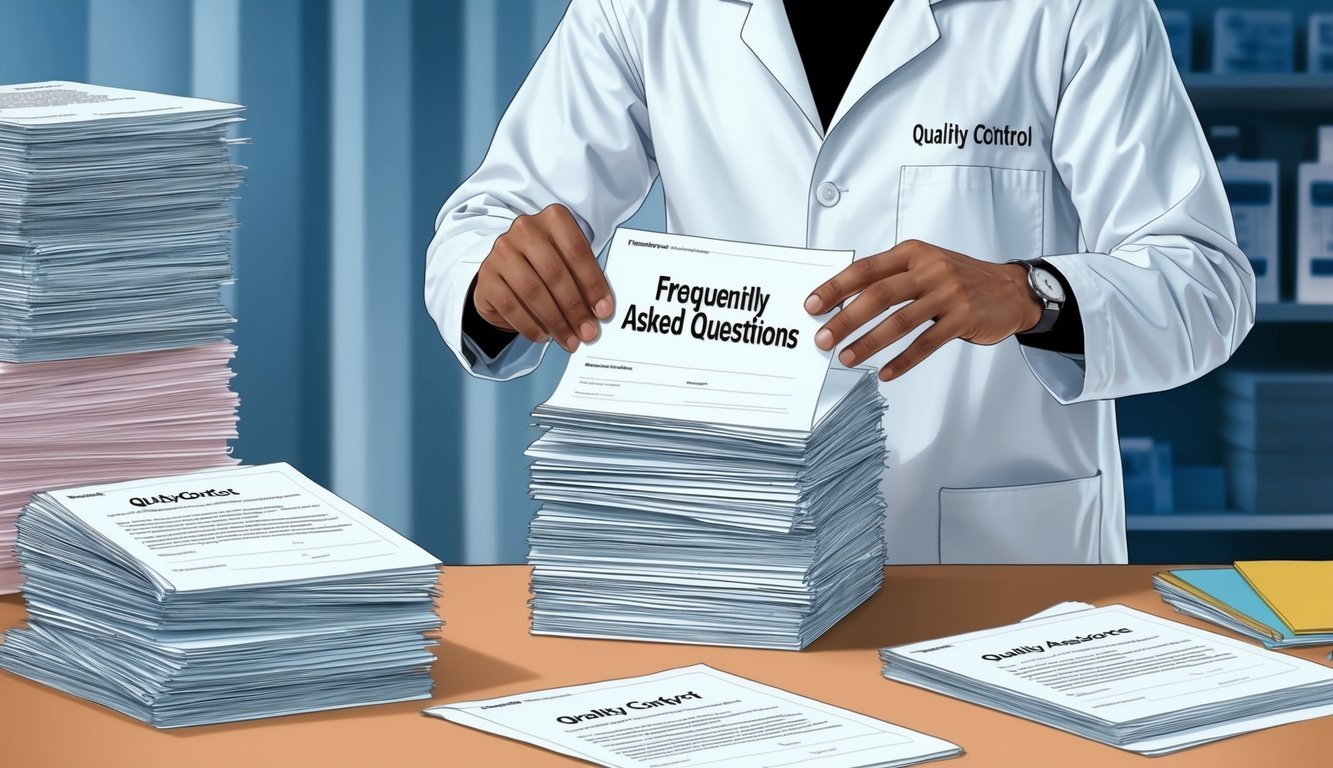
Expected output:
(1046, 289)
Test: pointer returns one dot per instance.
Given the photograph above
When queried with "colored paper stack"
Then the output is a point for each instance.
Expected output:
(1282, 604)
(115, 231)
(668, 530)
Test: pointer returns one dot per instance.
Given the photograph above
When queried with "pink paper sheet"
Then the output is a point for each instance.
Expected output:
(76, 422)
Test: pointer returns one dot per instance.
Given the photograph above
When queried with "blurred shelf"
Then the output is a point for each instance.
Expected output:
(1291, 312)
(1228, 521)
(1294, 91)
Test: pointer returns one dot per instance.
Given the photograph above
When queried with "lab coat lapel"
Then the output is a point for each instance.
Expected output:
(768, 35)
(907, 29)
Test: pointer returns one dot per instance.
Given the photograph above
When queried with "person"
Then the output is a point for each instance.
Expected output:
(1039, 227)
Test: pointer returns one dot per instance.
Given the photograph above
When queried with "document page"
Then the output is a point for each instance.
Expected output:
(235, 527)
(54, 102)
(1116, 663)
(694, 716)
(706, 330)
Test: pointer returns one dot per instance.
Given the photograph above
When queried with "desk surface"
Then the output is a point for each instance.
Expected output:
(486, 651)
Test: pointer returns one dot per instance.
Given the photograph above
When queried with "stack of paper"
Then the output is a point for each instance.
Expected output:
(704, 491)
(679, 532)
(1278, 430)
(1121, 677)
(9, 567)
(107, 418)
(220, 596)
(115, 230)
(1223, 596)
(115, 219)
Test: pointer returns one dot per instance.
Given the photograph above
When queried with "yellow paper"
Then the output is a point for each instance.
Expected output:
(1199, 594)
(1300, 591)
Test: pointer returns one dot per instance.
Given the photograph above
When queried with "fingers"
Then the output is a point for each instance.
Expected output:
(860, 274)
(876, 298)
(499, 306)
(922, 346)
(531, 290)
(569, 241)
(574, 310)
(891, 329)
(542, 279)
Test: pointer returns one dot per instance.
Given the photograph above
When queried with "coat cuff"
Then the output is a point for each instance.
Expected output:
(450, 289)
(1066, 336)
(1072, 378)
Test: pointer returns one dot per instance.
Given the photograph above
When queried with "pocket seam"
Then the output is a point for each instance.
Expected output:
(939, 506)
(1041, 198)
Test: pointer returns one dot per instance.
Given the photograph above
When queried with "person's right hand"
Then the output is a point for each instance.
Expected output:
(542, 280)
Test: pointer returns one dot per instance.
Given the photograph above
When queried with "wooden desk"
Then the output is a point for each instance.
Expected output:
(487, 651)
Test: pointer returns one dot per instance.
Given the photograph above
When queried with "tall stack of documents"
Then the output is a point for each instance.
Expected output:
(1278, 431)
(704, 491)
(1226, 597)
(219, 596)
(115, 231)
(1121, 677)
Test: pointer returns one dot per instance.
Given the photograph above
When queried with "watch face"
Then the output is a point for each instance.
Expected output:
(1047, 285)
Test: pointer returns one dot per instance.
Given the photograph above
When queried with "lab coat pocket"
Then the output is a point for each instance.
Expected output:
(992, 214)
(1056, 522)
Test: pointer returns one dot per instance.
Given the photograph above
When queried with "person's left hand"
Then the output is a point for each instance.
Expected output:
(978, 301)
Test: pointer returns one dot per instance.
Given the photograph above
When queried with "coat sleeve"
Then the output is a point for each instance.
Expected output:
(577, 134)
(1165, 293)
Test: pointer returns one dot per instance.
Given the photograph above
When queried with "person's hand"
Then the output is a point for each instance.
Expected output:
(978, 301)
(542, 280)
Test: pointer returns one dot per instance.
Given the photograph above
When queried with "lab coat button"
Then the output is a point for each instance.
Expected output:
(827, 194)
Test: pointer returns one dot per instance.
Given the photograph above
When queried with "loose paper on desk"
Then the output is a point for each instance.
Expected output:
(256, 525)
(706, 330)
(695, 716)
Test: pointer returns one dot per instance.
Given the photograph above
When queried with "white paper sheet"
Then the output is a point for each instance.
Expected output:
(694, 716)
(55, 102)
(229, 528)
(706, 330)
(1068, 606)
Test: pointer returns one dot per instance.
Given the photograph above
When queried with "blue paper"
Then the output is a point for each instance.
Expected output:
(1227, 586)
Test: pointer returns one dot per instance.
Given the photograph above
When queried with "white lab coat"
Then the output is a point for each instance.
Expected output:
(997, 453)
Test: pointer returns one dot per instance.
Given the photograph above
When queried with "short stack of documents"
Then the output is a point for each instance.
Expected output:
(115, 232)
(1121, 677)
(220, 596)
(704, 491)
(1278, 431)
(1282, 604)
